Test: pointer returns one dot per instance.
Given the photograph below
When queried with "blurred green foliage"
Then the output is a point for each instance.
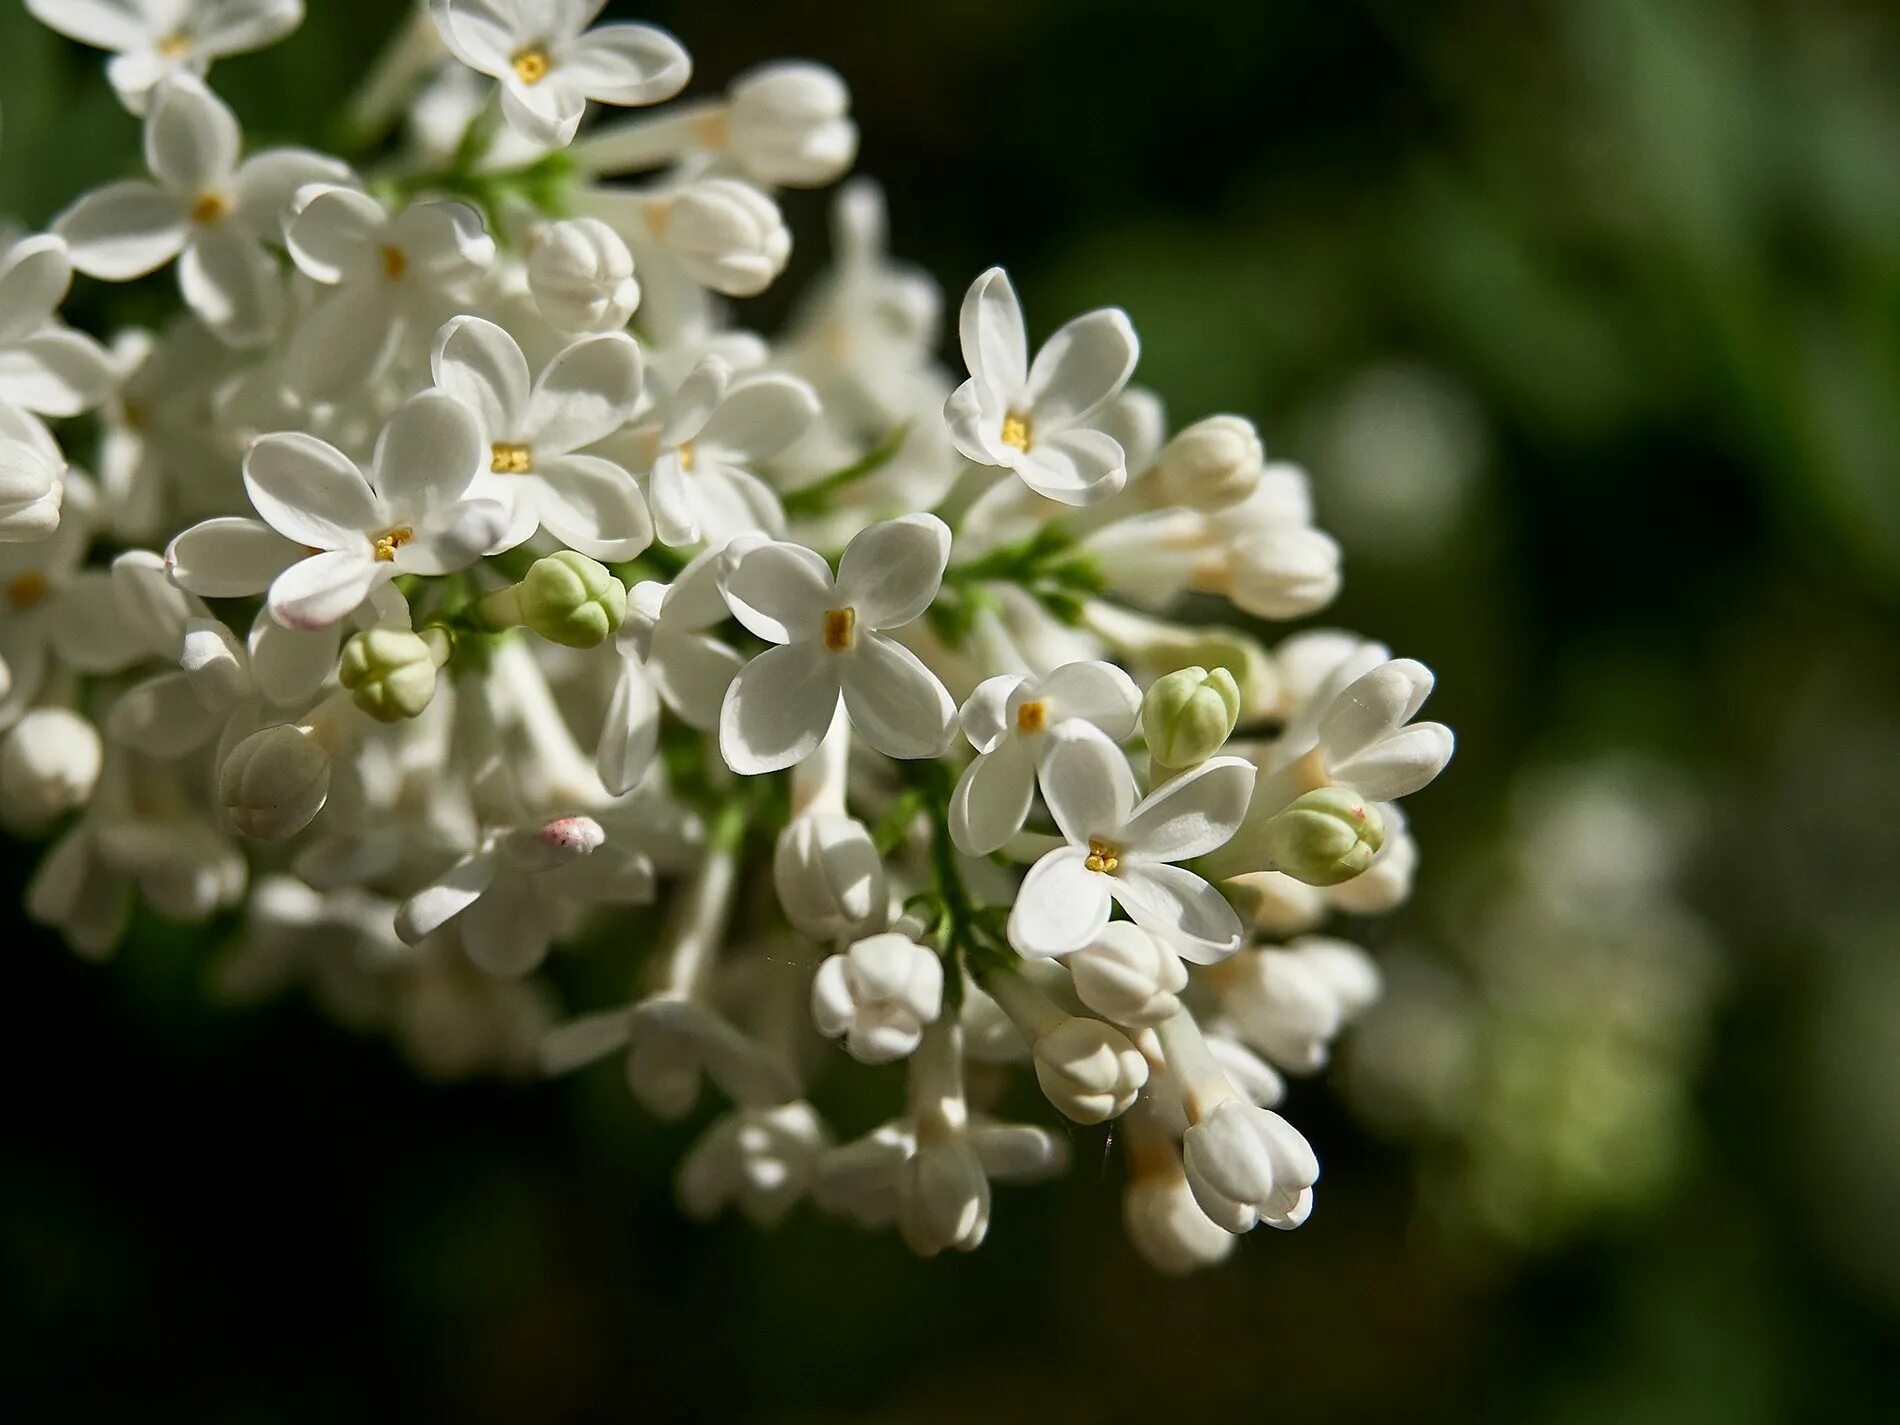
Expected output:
(1654, 246)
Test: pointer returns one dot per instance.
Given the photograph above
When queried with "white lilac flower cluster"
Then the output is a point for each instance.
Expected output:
(455, 582)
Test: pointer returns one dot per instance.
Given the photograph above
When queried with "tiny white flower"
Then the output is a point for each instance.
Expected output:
(878, 996)
(829, 877)
(831, 646)
(1247, 1165)
(1006, 720)
(215, 215)
(1361, 735)
(393, 275)
(535, 434)
(1034, 419)
(716, 427)
(1119, 850)
(725, 234)
(153, 40)
(761, 1159)
(549, 63)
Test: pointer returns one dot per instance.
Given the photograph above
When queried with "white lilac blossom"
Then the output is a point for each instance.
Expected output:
(485, 627)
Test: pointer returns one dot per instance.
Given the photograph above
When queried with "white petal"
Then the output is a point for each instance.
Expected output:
(35, 275)
(593, 506)
(103, 24)
(1374, 705)
(631, 734)
(240, 26)
(674, 518)
(507, 930)
(124, 230)
(896, 704)
(430, 909)
(1082, 367)
(229, 558)
(1073, 467)
(267, 183)
(627, 64)
(992, 798)
(452, 537)
(318, 591)
(57, 372)
(160, 717)
(343, 344)
(480, 365)
(1060, 907)
(693, 404)
(693, 672)
(547, 114)
(986, 714)
(310, 492)
(1086, 781)
(1180, 907)
(291, 664)
(89, 633)
(233, 285)
(1096, 692)
(1400, 764)
(483, 34)
(586, 394)
(191, 137)
(427, 455)
(729, 502)
(781, 592)
(990, 326)
(890, 572)
(334, 231)
(761, 415)
(778, 710)
(444, 241)
(1192, 814)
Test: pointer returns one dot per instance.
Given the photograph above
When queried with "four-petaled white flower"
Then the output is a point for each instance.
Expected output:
(1035, 419)
(831, 646)
(1006, 720)
(550, 64)
(535, 434)
(213, 213)
(715, 427)
(152, 40)
(412, 513)
(878, 996)
(1118, 849)
(393, 275)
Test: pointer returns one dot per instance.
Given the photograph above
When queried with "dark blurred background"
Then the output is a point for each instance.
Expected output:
(1585, 315)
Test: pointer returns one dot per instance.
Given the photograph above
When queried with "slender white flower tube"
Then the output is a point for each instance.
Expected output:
(832, 647)
(1120, 850)
(1035, 419)
(1163, 1221)
(943, 1192)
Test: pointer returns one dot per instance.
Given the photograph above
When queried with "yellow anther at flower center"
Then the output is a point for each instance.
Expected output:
(395, 263)
(532, 64)
(1032, 716)
(136, 415)
(175, 45)
(210, 207)
(689, 457)
(1102, 857)
(1016, 430)
(511, 458)
(27, 589)
(841, 629)
(388, 544)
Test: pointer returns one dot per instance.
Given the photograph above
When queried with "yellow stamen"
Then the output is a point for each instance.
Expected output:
(395, 263)
(689, 457)
(1016, 431)
(841, 629)
(388, 544)
(713, 129)
(532, 64)
(1102, 857)
(209, 208)
(511, 458)
(27, 589)
(175, 45)
(1032, 716)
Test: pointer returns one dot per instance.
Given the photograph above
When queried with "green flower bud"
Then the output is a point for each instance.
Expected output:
(569, 599)
(390, 672)
(1325, 837)
(1189, 714)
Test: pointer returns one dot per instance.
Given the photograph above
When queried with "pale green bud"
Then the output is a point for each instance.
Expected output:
(1325, 837)
(390, 672)
(570, 599)
(1189, 714)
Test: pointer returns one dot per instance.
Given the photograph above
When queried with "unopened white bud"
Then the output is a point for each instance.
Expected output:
(1129, 976)
(581, 276)
(1212, 464)
(1327, 836)
(49, 764)
(943, 1198)
(790, 125)
(1187, 715)
(878, 996)
(1248, 1165)
(275, 782)
(727, 234)
(1284, 573)
(1089, 1070)
(391, 672)
(830, 878)
(1168, 1228)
